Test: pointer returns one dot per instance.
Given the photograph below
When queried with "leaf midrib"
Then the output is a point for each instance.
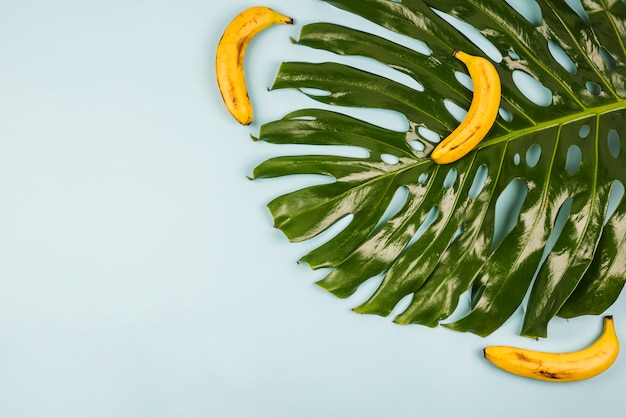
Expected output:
(504, 138)
(618, 105)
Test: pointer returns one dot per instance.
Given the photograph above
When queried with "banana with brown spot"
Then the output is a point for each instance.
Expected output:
(229, 58)
(560, 367)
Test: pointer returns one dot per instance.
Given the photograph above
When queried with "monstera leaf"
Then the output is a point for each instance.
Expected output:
(560, 161)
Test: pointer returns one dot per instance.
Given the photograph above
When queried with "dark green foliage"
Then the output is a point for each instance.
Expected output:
(562, 255)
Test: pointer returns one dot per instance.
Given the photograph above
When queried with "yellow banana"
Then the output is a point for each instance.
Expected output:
(481, 114)
(230, 56)
(559, 367)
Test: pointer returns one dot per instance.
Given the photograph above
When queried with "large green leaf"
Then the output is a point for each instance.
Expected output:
(558, 164)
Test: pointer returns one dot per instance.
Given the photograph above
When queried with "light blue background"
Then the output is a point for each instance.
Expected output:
(140, 275)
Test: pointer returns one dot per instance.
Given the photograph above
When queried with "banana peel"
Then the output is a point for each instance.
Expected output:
(230, 54)
(560, 367)
(481, 114)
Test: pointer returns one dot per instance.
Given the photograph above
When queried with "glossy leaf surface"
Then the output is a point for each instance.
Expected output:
(556, 169)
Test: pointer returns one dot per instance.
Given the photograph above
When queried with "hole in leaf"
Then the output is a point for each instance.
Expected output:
(472, 34)
(614, 142)
(617, 116)
(559, 224)
(508, 207)
(390, 159)
(303, 117)
(450, 178)
(455, 110)
(573, 160)
(584, 131)
(334, 150)
(418, 145)
(517, 159)
(615, 196)
(513, 55)
(458, 232)
(410, 42)
(422, 178)
(608, 59)
(505, 114)
(532, 88)
(593, 88)
(479, 181)
(428, 134)
(377, 67)
(477, 292)
(529, 9)
(464, 79)
(577, 7)
(532, 155)
(395, 205)
(561, 57)
(309, 91)
(432, 216)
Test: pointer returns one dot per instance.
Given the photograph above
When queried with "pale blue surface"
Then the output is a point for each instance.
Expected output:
(140, 275)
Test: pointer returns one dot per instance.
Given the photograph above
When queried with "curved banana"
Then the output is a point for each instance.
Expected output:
(559, 367)
(230, 55)
(481, 114)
